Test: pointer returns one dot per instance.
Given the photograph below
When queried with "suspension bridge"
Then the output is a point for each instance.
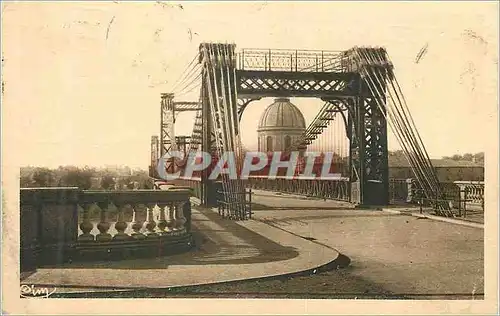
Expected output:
(362, 99)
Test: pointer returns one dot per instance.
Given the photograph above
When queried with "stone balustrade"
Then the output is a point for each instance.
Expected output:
(132, 215)
(463, 195)
(472, 192)
(60, 225)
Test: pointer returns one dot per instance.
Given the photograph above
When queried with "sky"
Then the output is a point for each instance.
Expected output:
(83, 80)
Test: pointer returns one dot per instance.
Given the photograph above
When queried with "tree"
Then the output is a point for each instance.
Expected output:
(43, 177)
(25, 181)
(479, 157)
(107, 182)
(124, 181)
(26, 177)
(76, 177)
(468, 157)
(142, 178)
(147, 185)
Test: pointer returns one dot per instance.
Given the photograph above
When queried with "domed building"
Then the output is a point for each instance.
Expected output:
(280, 126)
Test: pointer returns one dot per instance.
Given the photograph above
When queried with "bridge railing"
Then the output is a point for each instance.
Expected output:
(289, 60)
(400, 191)
(463, 195)
(231, 207)
(313, 187)
(337, 189)
(60, 225)
(473, 192)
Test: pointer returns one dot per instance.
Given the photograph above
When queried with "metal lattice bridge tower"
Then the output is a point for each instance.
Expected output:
(358, 88)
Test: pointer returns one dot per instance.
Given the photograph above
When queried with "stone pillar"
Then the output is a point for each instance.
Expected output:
(86, 225)
(137, 222)
(187, 215)
(171, 218)
(150, 223)
(410, 184)
(49, 221)
(103, 225)
(121, 225)
(179, 215)
(162, 222)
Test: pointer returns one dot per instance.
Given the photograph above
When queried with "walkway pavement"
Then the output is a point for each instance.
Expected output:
(226, 251)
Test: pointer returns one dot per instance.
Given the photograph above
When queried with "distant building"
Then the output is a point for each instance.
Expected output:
(447, 170)
(280, 126)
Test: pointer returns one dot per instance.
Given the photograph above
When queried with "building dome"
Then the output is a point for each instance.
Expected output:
(282, 114)
(280, 126)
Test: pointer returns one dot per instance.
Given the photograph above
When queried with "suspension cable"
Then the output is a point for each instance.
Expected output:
(189, 66)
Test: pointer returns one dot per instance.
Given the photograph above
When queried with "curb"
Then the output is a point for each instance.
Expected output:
(341, 261)
(434, 217)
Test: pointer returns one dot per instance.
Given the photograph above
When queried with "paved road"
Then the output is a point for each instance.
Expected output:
(401, 254)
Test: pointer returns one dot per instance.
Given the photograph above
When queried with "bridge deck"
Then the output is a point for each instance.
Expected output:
(403, 255)
(274, 200)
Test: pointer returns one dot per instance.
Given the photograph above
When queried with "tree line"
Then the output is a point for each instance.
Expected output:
(477, 157)
(85, 178)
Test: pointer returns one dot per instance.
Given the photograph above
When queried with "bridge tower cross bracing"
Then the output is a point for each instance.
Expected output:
(368, 135)
(333, 77)
(167, 121)
(230, 82)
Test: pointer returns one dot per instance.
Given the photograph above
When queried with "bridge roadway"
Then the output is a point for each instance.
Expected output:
(389, 253)
(401, 254)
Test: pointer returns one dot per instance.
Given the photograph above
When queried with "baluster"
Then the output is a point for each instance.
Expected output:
(86, 226)
(120, 224)
(180, 220)
(171, 219)
(103, 225)
(136, 223)
(481, 196)
(162, 222)
(150, 223)
(346, 187)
